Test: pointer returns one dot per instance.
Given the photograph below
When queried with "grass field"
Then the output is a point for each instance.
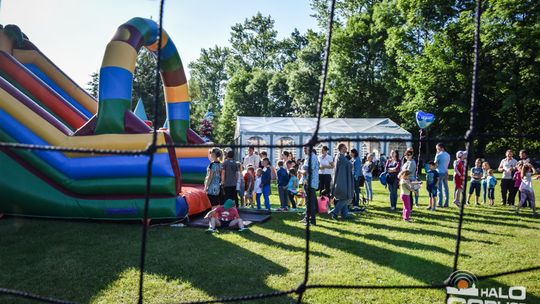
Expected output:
(91, 262)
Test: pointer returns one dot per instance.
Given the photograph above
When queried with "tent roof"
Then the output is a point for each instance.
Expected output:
(329, 126)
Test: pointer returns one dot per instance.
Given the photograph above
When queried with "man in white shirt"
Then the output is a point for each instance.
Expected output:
(326, 163)
(252, 158)
(507, 167)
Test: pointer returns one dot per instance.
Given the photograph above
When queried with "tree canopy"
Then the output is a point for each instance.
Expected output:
(388, 59)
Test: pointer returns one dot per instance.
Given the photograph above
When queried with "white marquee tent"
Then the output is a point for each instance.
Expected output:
(297, 130)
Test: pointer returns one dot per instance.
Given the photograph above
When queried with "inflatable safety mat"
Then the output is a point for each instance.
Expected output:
(249, 216)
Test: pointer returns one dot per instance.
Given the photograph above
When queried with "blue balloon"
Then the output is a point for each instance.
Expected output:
(424, 119)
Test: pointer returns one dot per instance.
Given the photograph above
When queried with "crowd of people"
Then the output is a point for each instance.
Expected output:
(321, 181)
(517, 176)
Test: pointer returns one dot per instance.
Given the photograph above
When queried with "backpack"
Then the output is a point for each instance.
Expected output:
(382, 178)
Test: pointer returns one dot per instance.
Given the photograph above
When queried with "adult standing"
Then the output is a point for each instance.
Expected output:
(442, 160)
(342, 187)
(229, 177)
(507, 167)
(357, 174)
(251, 158)
(392, 168)
(326, 163)
(523, 157)
(310, 170)
(367, 171)
(212, 182)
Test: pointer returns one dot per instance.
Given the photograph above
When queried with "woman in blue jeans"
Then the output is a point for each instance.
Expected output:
(392, 167)
(367, 170)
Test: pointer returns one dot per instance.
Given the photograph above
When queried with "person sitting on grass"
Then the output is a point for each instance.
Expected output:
(225, 215)
(432, 180)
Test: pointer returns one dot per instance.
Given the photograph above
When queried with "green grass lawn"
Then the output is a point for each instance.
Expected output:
(91, 262)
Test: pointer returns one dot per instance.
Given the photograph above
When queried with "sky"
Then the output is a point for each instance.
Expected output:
(74, 33)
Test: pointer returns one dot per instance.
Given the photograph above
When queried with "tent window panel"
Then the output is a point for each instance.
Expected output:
(256, 141)
(282, 144)
(365, 150)
(401, 147)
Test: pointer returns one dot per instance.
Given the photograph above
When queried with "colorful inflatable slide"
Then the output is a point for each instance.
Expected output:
(40, 105)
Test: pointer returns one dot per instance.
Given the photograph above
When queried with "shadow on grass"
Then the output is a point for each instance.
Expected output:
(78, 261)
(422, 231)
(427, 271)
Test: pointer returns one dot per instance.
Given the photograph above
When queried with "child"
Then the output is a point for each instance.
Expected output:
(283, 185)
(225, 215)
(249, 180)
(432, 180)
(266, 178)
(323, 201)
(291, 187)
(491, 182)
(476, 180)
(258, 187)
(300, 193)
(526, 187)
(485, 169)
(405, 188)
(517, 182)
(240, 183)
(459, 176)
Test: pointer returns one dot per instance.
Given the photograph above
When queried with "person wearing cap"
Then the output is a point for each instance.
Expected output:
(459, 175)
(225, 215)
(442, 159)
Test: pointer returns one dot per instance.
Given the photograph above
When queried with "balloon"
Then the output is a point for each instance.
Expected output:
(424, 119)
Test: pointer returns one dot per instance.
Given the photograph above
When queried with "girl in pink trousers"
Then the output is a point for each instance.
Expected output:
(405, 188)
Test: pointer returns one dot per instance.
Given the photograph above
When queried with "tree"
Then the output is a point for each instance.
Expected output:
(144, 79)
(303, 76)
(93, 85)
(253, 44)
(208, 81)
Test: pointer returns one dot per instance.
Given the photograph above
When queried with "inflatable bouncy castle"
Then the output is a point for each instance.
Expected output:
(40, 105)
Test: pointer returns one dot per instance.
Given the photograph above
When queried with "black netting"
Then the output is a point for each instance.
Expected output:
(303, 286)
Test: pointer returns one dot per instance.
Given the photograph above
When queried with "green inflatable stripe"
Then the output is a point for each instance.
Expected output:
(170, 64)
(143, 27)
(108, 186)
(178, 130)
(112, 109)
(23, 193)
(192, 178)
